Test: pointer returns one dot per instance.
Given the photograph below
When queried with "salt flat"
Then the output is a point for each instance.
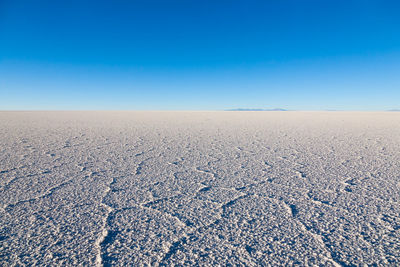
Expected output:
(199, 188)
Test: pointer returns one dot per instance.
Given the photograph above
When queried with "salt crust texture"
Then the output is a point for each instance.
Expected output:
(199, 188)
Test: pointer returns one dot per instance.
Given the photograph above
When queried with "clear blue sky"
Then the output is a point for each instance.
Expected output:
(199, 55)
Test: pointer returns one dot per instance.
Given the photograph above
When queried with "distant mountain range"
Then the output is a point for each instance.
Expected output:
(256, 109)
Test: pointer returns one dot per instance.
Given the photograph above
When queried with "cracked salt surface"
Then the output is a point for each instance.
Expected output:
(199, 188)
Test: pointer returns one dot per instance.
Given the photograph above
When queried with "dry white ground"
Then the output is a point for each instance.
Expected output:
(199, 188)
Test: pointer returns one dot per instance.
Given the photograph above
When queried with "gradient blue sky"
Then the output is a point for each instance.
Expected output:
(199, 55)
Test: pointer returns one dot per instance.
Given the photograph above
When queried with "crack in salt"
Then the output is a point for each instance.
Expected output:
(101, 241)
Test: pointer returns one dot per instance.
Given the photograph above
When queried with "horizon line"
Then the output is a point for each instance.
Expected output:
(200, 110)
